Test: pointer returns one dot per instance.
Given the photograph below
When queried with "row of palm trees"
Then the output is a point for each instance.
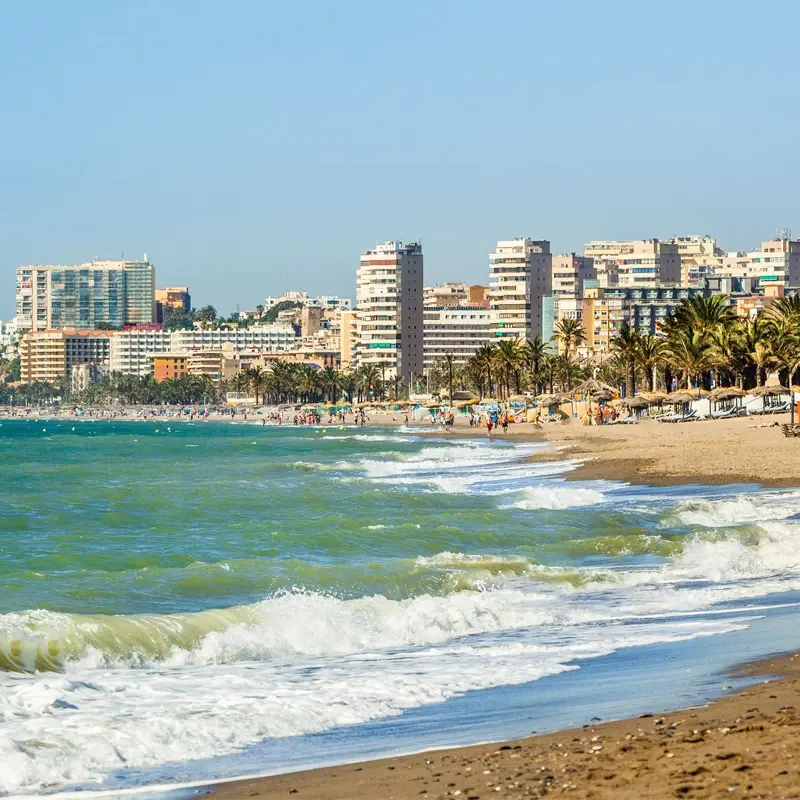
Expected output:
(703, 342)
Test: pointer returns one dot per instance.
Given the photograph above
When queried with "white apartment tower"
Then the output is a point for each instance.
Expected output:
(570, 271)
(389, 319)
(645, 263)
(520, 275)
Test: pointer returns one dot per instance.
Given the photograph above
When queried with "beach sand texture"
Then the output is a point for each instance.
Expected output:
(746, 744)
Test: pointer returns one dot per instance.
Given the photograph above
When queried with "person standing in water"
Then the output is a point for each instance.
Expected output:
(489, 426)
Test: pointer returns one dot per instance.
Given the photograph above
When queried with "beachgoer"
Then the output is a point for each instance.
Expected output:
(489, 425)
(504, 423)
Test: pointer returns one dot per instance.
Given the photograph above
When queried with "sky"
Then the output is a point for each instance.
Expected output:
(253, 147)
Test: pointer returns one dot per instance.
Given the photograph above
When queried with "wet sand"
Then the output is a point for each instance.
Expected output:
(742, 450)
(746, 744)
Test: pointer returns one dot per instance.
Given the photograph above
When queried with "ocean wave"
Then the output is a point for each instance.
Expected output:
(738, 510)
(556, 497)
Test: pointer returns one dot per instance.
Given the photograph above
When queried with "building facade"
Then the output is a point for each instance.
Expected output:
(327, 301)
(389, 310)
(455, 330)
(176, 297)
(700, 257)
(570, 271)
(777, 261)
(52, 354)
(98, 294)
(520, 275)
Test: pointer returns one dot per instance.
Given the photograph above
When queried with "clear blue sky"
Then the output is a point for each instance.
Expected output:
(250, 147)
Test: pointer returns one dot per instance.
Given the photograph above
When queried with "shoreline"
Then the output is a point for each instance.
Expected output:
(741, 743)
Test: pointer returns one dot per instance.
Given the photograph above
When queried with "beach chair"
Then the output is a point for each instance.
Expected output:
(732, 411)
(690, 416)
(781, 408)
(669, 418)
(790, 430)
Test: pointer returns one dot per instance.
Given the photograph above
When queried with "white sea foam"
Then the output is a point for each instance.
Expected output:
(753, 507)
(551, 496)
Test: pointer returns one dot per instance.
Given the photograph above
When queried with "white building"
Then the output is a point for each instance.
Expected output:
(520, 275)
(455, 330)
(776, 262)
(9, 337)
(132, 350)
(329, 302)
(389, 309)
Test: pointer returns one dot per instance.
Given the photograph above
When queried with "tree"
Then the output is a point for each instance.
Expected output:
(626, 344)
(649, 355)
(569, 333)
(484, 356)
(449, 364)
(535, 353)
(255, 379)
(284, 305)
(786, 351)
(510, 359)
(688, 351)
(206, 315)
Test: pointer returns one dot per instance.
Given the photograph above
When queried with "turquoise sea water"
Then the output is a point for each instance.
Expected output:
(175, 591)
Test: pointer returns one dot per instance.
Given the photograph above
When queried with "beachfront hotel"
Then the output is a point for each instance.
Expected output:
(455, 330)
(520, 275)
(98, 294)
(51, 355)
(389, 318)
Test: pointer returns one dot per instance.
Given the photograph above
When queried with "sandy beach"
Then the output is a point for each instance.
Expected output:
(746, 744)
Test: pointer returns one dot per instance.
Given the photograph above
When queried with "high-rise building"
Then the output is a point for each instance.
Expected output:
(389, 309)
(520, 275)
(98, 294)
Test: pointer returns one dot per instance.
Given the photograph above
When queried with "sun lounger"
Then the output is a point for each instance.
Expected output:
(689, 417)
(790, 430)
(778, 409)
(725, 413)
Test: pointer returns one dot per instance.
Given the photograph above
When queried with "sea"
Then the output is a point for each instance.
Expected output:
(182, 602)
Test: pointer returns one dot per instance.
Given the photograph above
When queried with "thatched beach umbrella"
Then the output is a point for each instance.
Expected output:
(679, 398)
(770, 391)
(465, 396)
(655, 397)
(725, 393)
(635, 402)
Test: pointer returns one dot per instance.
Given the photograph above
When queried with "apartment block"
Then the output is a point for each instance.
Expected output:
(52, 354)
(777, 261)
(98, 294)
(326, 301)
(456, 330)
(389, 310)
(570, 271)
(604, 311)
(132, 350)
(456, 294)
(520, 275)
(176, 297)
(169, 366)
(700, 258)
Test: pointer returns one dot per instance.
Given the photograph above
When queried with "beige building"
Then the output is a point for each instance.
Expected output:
(520, 276)
(51, 355)
(777, 261)
(389, 307)
(569, 273)
(700, 257)
(348, 333)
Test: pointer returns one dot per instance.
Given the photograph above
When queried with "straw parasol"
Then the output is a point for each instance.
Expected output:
(770, 391)
(552, 400)
(465, 396)
(655, 397)
(489, 400)
(592, 386)
(635, 402)
(520, 398)
(680, 397)
(432, 404)
(725, 393)
(602, 395)
(463, 403)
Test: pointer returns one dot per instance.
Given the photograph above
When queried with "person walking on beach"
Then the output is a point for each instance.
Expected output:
(489, 426)
(504, 422)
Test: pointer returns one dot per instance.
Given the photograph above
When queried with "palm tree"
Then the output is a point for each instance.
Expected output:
(569, 332)
(649, 355)
(255, 377)
(510, 358)
(689, 352)
(535, 352)
(449, 363)
(786, 351)
(484, 356)
(701, 313)
(627, 345)
(330, 381)
(755, 342)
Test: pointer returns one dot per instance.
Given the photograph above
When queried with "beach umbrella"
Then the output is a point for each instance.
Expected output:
(725, 393)
(655, 397)
(602, 395)
(635, 402)
(553, 400)
(465, 396)
(591, 386)
(770, 391)
(680, 397)
(432, 404)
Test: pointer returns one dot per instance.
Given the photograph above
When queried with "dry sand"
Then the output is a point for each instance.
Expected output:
(746, 744)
